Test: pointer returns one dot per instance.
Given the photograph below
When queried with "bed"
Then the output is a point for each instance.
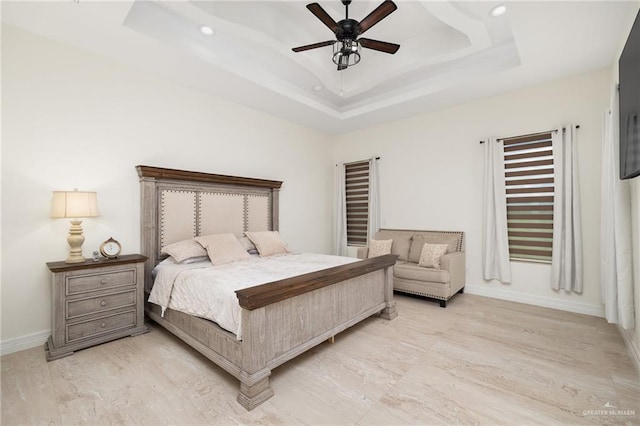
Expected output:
(280, 319)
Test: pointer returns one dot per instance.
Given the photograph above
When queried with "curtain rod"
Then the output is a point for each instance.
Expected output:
(359, 161)
(530, 134)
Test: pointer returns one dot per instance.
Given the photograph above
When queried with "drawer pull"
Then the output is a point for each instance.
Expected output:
(103, 281)
(103, 303)
(103, 324)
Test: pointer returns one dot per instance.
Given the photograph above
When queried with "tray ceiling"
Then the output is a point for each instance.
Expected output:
(450, 52)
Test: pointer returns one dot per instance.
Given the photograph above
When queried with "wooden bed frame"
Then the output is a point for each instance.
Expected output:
(280, 320)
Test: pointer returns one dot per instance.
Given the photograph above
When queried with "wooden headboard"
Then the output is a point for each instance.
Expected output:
(178, 205)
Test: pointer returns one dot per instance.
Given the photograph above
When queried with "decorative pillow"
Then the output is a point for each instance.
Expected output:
(430, 256)
(419, 241)
(223, 248)
(268, 243)
(185, 250)
(248, 245)
(379, 247)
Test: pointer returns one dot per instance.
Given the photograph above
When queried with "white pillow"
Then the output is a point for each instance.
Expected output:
(268, 243)
(379, 247)
(430, 255)
(183, 251)
(223, 248)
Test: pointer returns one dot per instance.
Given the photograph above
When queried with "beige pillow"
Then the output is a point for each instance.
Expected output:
(430, 256)
(223, 248)
(419, 241)
(184, 250)
(268, 243)
(379, 247)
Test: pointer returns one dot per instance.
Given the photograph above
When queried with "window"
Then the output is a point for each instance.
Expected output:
(528, 162)
(357, 193)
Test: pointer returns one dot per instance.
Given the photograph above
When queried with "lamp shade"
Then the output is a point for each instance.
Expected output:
(74, 204)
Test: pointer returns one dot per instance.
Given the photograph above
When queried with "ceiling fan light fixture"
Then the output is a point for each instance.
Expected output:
(346, 50)
(346, 53)
(498, 10)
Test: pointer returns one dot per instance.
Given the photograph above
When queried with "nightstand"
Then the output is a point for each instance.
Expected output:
(94, 302)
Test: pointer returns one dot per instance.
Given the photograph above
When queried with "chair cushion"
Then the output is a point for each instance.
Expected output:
(401, 242)
(411, 271)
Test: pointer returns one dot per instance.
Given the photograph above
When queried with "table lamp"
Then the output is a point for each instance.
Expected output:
(75, 205)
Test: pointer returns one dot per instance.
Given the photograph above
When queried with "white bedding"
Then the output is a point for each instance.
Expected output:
(208, 291)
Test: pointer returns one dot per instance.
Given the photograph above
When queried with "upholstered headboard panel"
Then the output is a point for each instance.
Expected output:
(177, 205)
(187, 213)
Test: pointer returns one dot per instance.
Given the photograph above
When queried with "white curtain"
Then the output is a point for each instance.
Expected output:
(374, 200)
(566, 256)
(495, 248)
(616, 273)
(340, 211)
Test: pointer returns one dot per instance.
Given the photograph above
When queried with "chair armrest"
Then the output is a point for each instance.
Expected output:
(363, 252)
(455, 263)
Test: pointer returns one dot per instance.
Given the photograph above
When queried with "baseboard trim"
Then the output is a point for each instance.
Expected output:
(21, 343)
(530, 299)
(634, 352)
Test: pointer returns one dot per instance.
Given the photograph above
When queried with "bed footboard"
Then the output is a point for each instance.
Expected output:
(286, 318)
(276, 332)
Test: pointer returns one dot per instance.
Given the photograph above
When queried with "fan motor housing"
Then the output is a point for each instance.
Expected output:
(348, 29)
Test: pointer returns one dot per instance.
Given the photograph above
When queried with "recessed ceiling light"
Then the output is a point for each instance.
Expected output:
(206, 30)
(317, 87)
(498, 10)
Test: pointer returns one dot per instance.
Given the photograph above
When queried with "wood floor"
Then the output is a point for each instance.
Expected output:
(479, 361)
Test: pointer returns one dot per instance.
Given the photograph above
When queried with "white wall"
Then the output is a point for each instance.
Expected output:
(74, 119)
(431, 175)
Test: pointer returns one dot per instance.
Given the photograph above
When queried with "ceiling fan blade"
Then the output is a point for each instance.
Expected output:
(313, 46)
(322, 15)
(376, 16)
(382, 46)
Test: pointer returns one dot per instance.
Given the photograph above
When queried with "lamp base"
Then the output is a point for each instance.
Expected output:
(75, 240)
(75, 259)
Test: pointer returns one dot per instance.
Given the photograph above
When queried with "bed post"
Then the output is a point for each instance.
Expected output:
(254, 389)
(254, 375)
(275, 212)
(389, 312)
(148, 231)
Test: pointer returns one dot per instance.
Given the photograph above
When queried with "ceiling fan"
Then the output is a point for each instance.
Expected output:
(346, 50)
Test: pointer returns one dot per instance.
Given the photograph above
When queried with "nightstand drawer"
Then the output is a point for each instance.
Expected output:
(99, 326)
(79, 307)
(83, 283)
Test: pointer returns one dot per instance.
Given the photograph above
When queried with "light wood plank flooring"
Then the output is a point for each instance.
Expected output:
(479, 361)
